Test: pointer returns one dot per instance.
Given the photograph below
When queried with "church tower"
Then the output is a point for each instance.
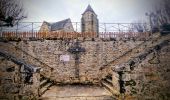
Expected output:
(89, 21)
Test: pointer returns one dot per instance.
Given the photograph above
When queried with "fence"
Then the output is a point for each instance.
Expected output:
(71, 35)
(103, 27)
(106, 30)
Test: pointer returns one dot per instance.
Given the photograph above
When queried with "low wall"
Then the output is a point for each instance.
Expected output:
(146, 77)
(12, 82)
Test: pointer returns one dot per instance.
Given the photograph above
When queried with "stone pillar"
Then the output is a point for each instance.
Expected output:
(36, 83)
(115, 82)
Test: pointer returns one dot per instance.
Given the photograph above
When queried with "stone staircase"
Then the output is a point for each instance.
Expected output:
(107, 83)
(153, 40)
(136, 60)
(30, 62)
(136, 53)
(15, 51)
(137, 50)
(45, 84)
(127, 68)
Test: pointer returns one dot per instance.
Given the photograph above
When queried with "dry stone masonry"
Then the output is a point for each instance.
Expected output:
(130, 70)
(58, 63)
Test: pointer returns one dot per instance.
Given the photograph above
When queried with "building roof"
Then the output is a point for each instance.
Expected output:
(46, 23)
(58, 25)
(89, 8)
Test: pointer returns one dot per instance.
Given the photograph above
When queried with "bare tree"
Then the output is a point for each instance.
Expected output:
(161, 15)
(11, 11)
(167, 9)
(139, 26)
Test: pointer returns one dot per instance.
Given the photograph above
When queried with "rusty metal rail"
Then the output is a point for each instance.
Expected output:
(45, 35)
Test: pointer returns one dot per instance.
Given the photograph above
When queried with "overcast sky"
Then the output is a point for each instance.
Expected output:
(107, 10)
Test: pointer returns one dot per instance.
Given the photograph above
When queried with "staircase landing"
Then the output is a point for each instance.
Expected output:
(76, 92)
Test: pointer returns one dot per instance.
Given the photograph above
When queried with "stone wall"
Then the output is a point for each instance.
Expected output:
(9, 79)
(12, 82)
(45, 27)
(146, 77)
(98, 53)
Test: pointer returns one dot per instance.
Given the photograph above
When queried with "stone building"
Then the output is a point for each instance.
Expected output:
(89, 21)
(61, 26)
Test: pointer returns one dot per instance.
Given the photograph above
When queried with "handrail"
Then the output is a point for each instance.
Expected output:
(117, 58)
(145, 53)
(31, 56)
(29, 67)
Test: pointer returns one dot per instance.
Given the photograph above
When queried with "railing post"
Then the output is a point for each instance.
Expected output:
(150, 15)
(17, 30)
(1, 32)
(36, 82)
(105, 27)
(32, 29)
(76, 26)
(150, 23)
(119, 27)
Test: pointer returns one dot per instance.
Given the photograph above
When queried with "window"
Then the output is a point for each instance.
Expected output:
(89, 17)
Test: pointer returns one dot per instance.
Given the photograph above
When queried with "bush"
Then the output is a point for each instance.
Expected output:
(165, 29)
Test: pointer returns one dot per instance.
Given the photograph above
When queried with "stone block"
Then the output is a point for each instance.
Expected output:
(126, 77)
(8, 97)
(11, 88)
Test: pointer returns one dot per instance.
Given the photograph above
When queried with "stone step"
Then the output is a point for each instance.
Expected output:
(45, 88)
(42, 78)
(43, 82)
(109, 76)
(109, 81)
(76, 92)
(78, 98)
(109, 87)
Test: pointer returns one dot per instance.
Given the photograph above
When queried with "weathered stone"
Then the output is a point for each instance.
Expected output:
(139, 77)
(11, 88)
(126, 77)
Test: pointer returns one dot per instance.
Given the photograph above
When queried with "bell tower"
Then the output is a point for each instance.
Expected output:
(89, 21)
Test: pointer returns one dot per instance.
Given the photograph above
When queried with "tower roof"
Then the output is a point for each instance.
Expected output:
(89, 8)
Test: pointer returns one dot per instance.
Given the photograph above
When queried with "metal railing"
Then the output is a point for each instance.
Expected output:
(72, 35)
(102, 27)
(106, 30)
